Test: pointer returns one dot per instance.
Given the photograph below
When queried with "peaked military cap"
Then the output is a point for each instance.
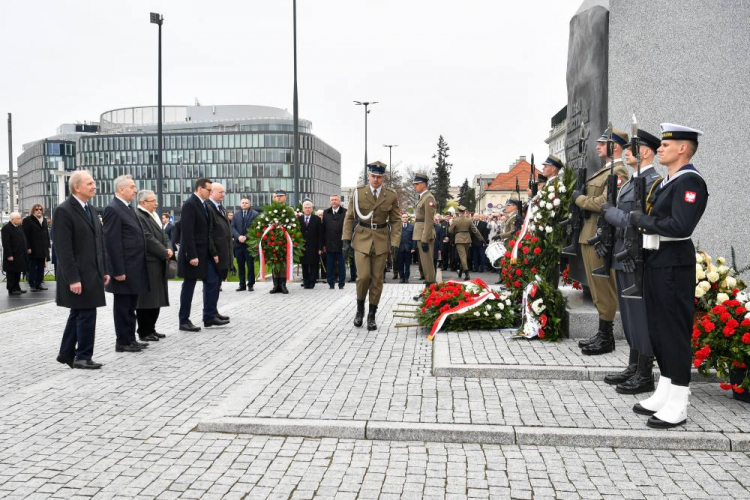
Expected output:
(376, 168)
(280, 192)
(420, 178)
(671, 131)
(461, 208)
(618, 136)
(554, 161)
(649, 140)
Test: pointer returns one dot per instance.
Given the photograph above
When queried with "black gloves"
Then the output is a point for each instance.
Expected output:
(600, 249)
(606, 206)
(345, 247)
(628, 264)
(576, 194)
(425, 246)
(635, 218)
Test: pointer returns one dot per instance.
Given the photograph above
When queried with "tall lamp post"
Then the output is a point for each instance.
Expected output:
(365, 104)
(296, 110)
(390, 157)
(159, 19)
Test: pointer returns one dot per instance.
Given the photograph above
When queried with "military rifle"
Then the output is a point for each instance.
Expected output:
(574, 222)
(633, 240)
(518, 224)
(532, 178)
(605, 232)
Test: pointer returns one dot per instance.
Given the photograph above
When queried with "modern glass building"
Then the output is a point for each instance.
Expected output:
(37, 181)
(249, 149)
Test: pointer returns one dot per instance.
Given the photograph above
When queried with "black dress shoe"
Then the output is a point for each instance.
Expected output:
(86, 364)
(189, 327)
(33, 289)
(215, 321)
(159, 335)
(222, 317)
(250, 288)
(142, 345)
(41, 287)
(241, 289)
(640, 410)
(341, 286)
(149, 338)
(66, 360)
(127, 348)
(353, 280)
(22, 291)
(15, 292)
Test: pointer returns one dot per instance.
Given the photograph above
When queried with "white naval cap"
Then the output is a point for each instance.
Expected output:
(671, 131)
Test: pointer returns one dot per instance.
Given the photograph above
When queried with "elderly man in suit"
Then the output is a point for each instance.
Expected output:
(15, 251)
(221, 234)
(158, 253)
(333, 230)
(37, 238)
(242, 221)
(312, 231)
(126, 257)
(81, 270)
(198, 258)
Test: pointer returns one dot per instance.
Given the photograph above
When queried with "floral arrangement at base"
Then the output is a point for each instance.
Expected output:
(721, 342)
(454, 306)
(568, 281)
(714, 283)
(276, 238)
(543, 312)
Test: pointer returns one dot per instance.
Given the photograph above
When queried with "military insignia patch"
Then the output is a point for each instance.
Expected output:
(432, 204)
(690, 196)
(619, 181)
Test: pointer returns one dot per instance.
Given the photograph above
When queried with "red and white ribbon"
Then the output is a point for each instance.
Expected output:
(465, 307)
(289, 254)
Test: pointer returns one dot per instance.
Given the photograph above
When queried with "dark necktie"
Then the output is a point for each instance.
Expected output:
(205, 208)
(404, 226)
(88, 213)
(244, 215)
(221, 209)
(307, 220)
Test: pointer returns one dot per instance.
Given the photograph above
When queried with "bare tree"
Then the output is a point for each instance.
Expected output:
(407, 195)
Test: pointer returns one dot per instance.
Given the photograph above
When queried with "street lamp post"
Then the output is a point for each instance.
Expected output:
(365, 104)
(159, 19)
(390, 157)
(296, 110)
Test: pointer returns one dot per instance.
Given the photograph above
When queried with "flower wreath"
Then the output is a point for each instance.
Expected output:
(271, 234)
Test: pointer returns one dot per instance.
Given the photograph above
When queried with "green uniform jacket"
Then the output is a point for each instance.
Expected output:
(596, 195)
(509, 227)
(461, 227)
(424, 231)
(385, 208)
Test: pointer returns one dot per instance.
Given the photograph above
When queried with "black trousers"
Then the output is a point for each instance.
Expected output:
(310, 274)
(36, 272)
(634, 316)
(245, 260)
(79, 334)
(125, 320)
(668, 292)
(13, 281)
(147, 320)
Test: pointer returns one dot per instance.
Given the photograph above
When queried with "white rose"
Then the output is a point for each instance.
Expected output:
(500, 306)
(731, 282)
(721, 298)
(704, 285)
(698, 258)
(532, 227)
(551, 195)
(699, 292)
(712, 268)
(721, 261)
(488, 307)
(275, 211)
(507, 302)
(723, 269)
(747, 306)
(476, 313)
(700, 275)
(548, 229)
(556, 202)
(550, 206)
(713, 276)
(562, 188)
(498, 315)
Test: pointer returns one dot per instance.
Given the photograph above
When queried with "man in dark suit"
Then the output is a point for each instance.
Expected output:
(333, 227)
(168, 226)
(243, 219)
(477, 244)
(438, 241)
(221, 235)
(406, 249)
(198, 258)
(80, 270)
(126, 258)
(15, 251)
(312, 232)
(37, 238)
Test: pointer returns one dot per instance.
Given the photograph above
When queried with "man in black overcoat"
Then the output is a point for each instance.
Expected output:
(312, 232)
(221, 235)
(80, 270)
(242, 221)
(38, 241)
(15, 250)
(197, 258)
(333, 228)
(126, 258)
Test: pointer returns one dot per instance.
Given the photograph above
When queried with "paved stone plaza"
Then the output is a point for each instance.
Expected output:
(381, 414)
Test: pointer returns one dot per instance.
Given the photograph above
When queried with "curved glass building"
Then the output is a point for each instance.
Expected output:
(249, 149)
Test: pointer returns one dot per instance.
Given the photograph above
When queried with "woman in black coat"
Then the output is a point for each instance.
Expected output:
(37, 238)
(14, 254)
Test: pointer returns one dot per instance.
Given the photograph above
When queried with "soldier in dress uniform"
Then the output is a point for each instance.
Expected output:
(603, 290)
(424, 229)
(279, 277)
(509, 227)
(462, 229)
(638, 377)
(669, 273)
(375, 207)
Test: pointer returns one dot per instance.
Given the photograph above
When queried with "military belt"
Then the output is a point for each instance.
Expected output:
(373, 226)
(418, 220)
(463, 231)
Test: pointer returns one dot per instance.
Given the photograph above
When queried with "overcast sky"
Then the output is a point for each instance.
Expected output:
(486, 74)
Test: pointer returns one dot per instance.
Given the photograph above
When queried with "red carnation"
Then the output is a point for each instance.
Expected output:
(735, 291)
(697, 362)
(534, 239)
(537, 251)
(718, 310)
(424, 309)
(507, 255)
(533, 270)
(526, 250)
(533, 291)
(526, 261)
(724, 317)
(517, 284)
(738, 389)
(746, 338)
(740, 311)
(257, 234)
(737, 364)
(708, 326)
(745, 322)
(543, 319)
(724, 386)
(527, 236)
(519, 272)
(542, 334)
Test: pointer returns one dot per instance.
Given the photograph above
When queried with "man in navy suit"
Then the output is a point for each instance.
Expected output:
(312, 231)
(198, 258)
(243, 219)
(406, 248)
(126, 257)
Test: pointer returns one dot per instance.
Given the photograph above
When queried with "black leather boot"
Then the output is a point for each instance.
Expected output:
(371, 318)
(275, 288)
(583, 343)
(467, 276)
(282, 286)
(618, 378)
(642, 381)
(460, 272)
(360, 313)
(605, 343)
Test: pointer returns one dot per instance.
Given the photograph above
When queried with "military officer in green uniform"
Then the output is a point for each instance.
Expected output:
(375, 208)
(510, 224)
(424, 229)
(603, 290)
(461, 228)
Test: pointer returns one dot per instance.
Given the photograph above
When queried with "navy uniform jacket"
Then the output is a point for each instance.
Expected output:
(678, 206)
(625, 204)
(407, 233)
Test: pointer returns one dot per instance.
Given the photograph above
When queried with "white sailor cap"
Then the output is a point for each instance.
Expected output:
(671, 131)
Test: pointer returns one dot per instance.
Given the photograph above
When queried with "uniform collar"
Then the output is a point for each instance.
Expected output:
(643, 170)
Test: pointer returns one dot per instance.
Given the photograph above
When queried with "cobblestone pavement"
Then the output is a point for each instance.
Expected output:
(127, 430)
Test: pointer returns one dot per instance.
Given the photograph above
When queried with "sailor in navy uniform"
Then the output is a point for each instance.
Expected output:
(669, 274)
(638, 376)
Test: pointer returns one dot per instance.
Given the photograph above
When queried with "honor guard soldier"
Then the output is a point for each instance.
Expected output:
(461, 229)
(638, 377)
(603, 289)
(375, 207)
(424, 228)
(279, 277)
(669, 273)
(510, 225)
